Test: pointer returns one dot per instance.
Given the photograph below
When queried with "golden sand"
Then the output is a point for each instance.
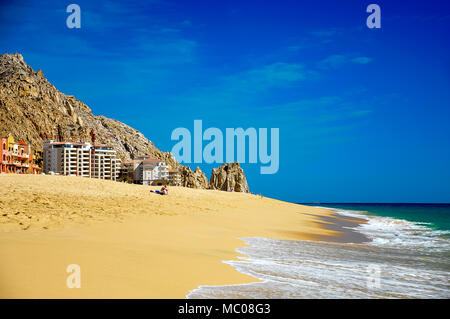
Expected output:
(131, 243)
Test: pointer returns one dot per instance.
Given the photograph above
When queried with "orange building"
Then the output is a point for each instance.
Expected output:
(16, 157)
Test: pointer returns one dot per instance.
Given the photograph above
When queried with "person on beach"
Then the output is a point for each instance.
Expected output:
(164, 191)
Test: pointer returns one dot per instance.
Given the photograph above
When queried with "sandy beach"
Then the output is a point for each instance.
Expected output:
(131, 243)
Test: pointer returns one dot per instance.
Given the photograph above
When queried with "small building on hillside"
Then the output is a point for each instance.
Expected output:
(16, 157)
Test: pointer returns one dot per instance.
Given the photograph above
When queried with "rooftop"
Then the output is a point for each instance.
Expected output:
(152, 160)
(62, 143)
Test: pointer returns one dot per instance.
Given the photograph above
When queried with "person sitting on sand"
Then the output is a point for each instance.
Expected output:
(164, 190)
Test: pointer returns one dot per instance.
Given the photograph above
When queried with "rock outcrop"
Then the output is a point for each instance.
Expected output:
(193, 179)
(229, 177)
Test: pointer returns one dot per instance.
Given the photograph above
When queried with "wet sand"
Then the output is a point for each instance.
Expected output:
(344, 226)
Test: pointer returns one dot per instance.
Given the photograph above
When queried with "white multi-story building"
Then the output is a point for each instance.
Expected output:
(147, 170)
(70, 158)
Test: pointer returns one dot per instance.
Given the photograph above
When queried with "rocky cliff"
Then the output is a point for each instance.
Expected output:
(33, 110)
(228, 177)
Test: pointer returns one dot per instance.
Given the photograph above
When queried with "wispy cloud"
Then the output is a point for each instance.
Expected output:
(245, 90)
(267, 76)
(325, 108)
(337, 60)
(362, 60)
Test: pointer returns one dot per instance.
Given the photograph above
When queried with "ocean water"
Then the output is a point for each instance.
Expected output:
(407, 256)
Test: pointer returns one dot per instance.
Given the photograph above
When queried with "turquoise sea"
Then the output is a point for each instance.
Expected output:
(407, 256)
(435, 216)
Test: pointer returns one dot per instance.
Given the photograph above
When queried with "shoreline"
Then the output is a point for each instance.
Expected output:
(405, 254)
(130, 243)
(344, 225)
(337, 222)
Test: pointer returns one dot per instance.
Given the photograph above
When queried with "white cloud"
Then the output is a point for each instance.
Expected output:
(337, 60)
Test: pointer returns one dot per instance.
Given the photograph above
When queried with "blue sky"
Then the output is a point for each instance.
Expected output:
(363, 113)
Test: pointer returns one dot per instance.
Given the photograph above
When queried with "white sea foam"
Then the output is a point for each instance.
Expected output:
(412, 260)
(399, 233)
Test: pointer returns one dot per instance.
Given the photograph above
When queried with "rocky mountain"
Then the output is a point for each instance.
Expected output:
(229, 177)
(33, 110)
